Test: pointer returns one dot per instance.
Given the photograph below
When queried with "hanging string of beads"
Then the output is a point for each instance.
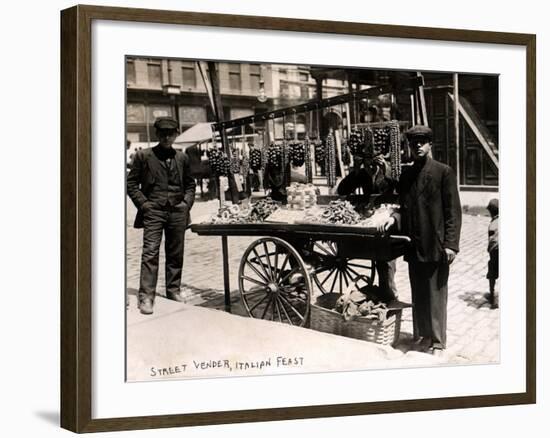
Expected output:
(285, 156)
(331, 159)
(367, 145)
(234, 165)
(265, 146)
(346, 158)
(307, 158)
(395, 150)
(320, 155)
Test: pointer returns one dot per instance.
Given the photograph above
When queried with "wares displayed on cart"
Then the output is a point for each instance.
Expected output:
(236, 214)
(355, 141)
(330, 160)
(395, 150)
(320, 152)
(379, 216)
(337, 212)
(301, 196)
(275, 155)
(307, 150)
(297, 153)
(219, 162)
(255, 158)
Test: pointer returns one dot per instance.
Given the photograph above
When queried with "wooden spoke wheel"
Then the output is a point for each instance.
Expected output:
(274, 282)
(334, 272)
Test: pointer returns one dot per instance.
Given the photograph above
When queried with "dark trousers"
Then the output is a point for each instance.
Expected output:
(173, 224)
(429, 297)
(386, 279)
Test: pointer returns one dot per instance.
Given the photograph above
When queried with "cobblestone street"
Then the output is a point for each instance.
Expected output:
(473, 327)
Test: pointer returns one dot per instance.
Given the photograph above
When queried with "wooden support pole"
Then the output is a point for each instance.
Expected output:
(457, 125)
(218, 112)
(226, 284)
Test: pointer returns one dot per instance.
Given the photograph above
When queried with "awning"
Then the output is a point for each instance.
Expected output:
(195, 134)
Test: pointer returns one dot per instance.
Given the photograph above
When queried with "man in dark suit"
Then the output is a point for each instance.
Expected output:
(160, 186)
(431, 216)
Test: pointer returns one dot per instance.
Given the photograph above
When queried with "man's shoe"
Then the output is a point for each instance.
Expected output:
(146, 306)
(175, 297)
(437, 352)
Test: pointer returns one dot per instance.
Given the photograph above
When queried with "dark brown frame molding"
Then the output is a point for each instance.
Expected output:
(76, 177)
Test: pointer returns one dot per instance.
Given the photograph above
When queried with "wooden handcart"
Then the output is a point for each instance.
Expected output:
(278, 272)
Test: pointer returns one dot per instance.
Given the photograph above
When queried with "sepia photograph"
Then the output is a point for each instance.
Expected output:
(288, 219)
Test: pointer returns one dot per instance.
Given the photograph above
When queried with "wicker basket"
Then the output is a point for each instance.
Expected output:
(324, 319)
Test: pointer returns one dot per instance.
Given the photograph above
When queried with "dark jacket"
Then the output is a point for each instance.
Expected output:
(430, 212)
(147, 170)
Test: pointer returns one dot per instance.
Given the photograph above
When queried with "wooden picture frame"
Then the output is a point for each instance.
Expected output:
(76, 217)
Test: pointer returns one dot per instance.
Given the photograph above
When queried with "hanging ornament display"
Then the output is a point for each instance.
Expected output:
(320, 154)
(368, 143)
(297, 154)
(234, 165)
(395, 150)
(219, 162)
(330, 160)
(346, 157)
(307, 150)
(245, 165)
(355, 142)
(255, 159)
(275, 155)
(381, 140)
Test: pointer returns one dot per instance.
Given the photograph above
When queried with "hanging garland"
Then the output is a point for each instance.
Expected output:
(255, 159)
(275, 155)
(346, 158)
(395, 150)
(234, 165)
(381, 140)
(320, 152)
(368, 143)
(297, 154)
(331, 160)
(355, 142)
(219, 162)
(307, 149)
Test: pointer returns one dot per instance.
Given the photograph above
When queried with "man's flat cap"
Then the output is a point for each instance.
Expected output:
(166, 123)
(493, 205)
(419, 131)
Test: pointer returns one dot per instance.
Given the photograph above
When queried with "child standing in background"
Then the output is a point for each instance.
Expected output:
(492, 248)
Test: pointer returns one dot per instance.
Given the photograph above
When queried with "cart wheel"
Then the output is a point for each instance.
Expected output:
(274, 282)
(334, 272)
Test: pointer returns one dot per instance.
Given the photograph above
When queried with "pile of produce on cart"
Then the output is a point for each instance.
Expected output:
(301, 196)
(237, 214)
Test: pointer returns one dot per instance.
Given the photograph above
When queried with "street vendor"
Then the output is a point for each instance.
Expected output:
(430, 214)
(161, 187)
(373, 176)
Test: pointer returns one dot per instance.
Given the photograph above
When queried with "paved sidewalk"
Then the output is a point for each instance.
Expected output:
(473, 327)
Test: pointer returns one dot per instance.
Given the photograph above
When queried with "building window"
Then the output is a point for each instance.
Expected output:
(188, 75)
(304, 92)
(235, 76)
(154, 75)
(255, 77)
(130, 72)
(135, 113)
(304, 77)
(284, 89)
(190, 115)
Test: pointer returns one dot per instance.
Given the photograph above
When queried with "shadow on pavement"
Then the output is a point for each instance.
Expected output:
(475, 299)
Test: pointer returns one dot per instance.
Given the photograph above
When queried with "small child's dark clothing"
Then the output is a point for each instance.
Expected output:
(492, 248)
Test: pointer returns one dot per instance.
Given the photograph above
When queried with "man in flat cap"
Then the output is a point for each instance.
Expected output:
(431, 216)
(160, 186)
